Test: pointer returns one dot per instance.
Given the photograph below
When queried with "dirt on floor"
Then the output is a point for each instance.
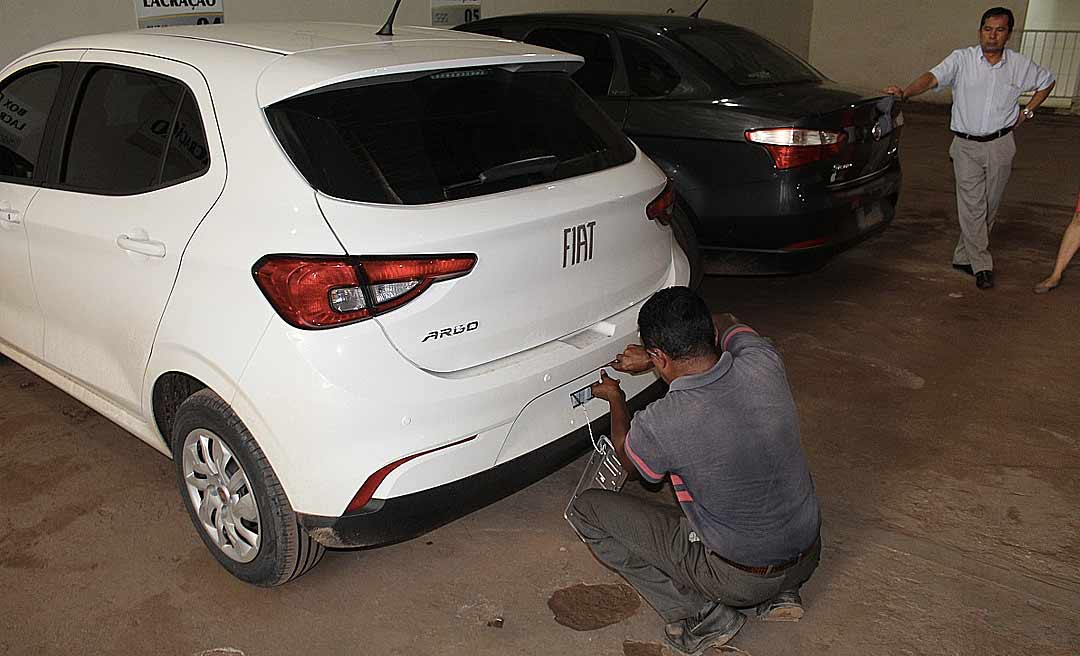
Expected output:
(585, 607)
(941, 424)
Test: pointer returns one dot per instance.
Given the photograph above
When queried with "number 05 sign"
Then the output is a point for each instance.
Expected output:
(448, 13)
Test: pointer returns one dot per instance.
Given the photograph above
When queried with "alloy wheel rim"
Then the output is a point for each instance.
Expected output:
(221, 495)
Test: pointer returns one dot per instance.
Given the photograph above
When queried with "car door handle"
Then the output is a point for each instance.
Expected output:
(10, 215)
(142, 246)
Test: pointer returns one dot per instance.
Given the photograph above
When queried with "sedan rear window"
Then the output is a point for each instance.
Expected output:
(746, 58)
(447, 135)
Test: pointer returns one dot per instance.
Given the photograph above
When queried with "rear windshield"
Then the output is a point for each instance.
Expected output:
(447, 135)
(746, 58)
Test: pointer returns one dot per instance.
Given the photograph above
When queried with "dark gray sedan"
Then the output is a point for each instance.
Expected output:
(776, 167)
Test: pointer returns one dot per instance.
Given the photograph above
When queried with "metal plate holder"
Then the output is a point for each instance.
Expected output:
(603, 471)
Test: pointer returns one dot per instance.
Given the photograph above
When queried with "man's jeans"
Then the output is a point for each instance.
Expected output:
(649, 545)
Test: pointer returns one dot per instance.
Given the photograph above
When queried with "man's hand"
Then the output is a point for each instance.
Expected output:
(722, 321)
(633, 360)
(1019, 119)
(608, 389)
(919, 85)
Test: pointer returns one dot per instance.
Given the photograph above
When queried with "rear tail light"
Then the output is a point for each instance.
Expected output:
(791, 147)
(663, 206)
(323, 292)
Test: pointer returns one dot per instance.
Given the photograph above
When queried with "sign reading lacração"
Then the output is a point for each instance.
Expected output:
(18, 122)
(159, 13)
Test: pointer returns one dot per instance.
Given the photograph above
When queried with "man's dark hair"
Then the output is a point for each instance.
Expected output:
(998, 11)
(676, 321)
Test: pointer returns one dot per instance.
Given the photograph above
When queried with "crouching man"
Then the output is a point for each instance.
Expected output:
(727, 436)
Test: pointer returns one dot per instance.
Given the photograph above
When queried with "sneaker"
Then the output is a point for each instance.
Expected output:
(717, 625)
(784, 607)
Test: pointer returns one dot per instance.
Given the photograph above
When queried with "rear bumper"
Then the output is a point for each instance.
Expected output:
(341, 416)
(799, 242)
(385, 521)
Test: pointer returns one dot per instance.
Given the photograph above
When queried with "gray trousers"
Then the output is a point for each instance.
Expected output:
(649, 545)
(982, 171)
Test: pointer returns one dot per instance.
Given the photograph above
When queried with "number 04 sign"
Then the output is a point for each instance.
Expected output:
(448, 13)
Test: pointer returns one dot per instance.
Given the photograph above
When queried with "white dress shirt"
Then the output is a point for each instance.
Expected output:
(984, 96)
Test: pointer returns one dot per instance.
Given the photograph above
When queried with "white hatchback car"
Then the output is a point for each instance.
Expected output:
(348, 282)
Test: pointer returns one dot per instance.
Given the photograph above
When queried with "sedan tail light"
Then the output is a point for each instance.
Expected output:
(791, 147)
(323, 292)
(662, 207)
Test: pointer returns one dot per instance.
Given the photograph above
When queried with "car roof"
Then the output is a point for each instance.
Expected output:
(641, 21)
(283, 38)
(309, 55)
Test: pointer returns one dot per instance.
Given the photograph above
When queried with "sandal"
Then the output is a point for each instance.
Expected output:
(1045, 289)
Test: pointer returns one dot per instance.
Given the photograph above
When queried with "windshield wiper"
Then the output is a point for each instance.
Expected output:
(545, 164)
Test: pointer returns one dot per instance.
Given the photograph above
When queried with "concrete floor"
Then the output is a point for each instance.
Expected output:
(941, 424)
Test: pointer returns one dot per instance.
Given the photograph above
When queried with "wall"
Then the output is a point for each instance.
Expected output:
(31, 23)
(896, 41)
(1053, 15)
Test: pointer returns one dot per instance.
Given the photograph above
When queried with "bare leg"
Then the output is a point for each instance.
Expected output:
(1070, 243)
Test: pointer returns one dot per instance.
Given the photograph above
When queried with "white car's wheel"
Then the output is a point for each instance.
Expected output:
(236, 502)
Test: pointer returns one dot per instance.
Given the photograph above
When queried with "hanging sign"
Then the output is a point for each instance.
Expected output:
(451, 13)
(159, 13)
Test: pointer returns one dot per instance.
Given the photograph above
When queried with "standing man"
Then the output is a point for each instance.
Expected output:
(987, 81)
(727, 436)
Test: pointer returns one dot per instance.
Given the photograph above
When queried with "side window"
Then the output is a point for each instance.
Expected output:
(25, 102)
(595, 76)
(188, 155)
(649, 73)
(131, 134)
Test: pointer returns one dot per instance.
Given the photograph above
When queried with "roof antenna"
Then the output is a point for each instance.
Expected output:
(388, 28)
(698, 10)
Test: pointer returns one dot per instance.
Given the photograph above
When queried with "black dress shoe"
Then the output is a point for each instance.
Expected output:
(966, 268)
(984, 279)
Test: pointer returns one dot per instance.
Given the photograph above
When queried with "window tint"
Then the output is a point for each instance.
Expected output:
(25, 102)
(746, 58)
(121, 130)
(448, 135)
(490, 31)
(595, 76)
(188, 155)
(649, 74)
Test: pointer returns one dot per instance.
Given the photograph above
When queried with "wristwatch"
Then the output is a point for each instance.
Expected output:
(1028, 114)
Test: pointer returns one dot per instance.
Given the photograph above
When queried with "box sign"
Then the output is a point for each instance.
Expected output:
(19, 122)
(450, 13)
(159, 13)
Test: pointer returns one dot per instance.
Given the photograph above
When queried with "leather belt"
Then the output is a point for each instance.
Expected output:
(984, 137)
(770, 569)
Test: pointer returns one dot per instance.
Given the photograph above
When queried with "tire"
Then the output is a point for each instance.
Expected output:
(247, 522)
(685, 235)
